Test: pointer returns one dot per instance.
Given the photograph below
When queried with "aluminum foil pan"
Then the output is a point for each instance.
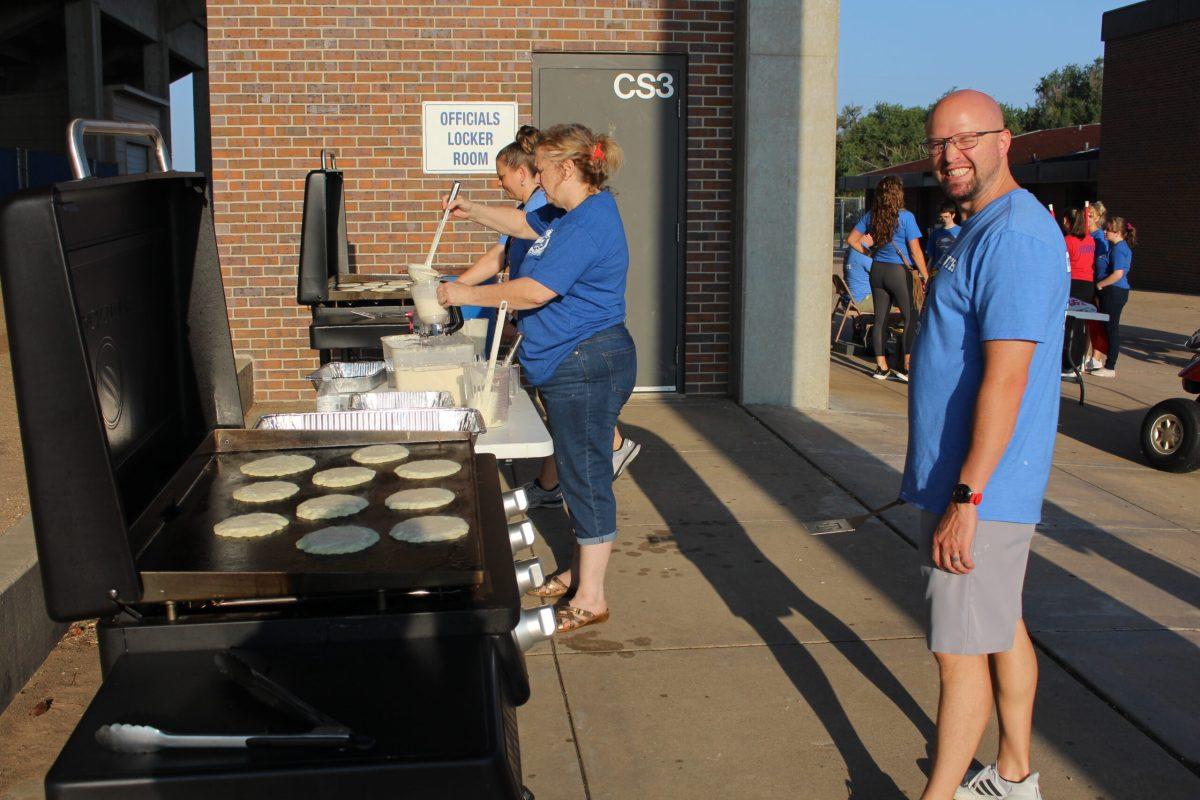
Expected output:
(382, 400)
(350, 376)
(422, 420)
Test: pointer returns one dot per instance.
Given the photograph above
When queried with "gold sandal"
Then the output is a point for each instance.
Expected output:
(553, 587)
(571, 618)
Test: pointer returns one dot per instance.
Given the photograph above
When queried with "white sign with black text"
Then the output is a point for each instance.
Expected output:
(459, 138)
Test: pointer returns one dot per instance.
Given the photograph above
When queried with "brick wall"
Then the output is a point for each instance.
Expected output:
(288, 78)
(1150, 160)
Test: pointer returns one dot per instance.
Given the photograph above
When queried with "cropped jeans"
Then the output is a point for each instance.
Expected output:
(583, 399)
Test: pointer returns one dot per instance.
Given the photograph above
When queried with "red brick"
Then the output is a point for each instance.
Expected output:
(349, 75)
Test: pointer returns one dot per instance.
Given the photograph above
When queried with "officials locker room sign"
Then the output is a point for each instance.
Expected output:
(460, 138)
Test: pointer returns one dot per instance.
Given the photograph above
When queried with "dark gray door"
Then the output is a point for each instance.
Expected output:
(639, 101)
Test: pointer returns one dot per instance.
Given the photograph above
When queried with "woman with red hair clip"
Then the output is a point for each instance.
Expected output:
(1113, 286)
(577, 351)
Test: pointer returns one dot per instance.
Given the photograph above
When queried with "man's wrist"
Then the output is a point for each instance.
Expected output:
(966, 494)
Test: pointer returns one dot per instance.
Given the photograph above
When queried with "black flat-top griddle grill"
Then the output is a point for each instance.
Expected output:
(183, 560)
(347, 321)
(133, 439)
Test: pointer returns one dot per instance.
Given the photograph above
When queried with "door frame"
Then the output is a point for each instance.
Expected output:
(558, 59)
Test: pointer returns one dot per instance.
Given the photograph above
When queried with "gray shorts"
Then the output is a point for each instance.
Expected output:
(976, 613)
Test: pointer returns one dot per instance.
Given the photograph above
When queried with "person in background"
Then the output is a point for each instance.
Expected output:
(1097, 217)
(1081, 253)
(893, 231)
(1113, 286)
(943, 235)
(517, 175)
(577, 351)
(856, 269)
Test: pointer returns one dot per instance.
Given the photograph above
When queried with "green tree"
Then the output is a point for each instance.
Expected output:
(892, 134)
(887, 134)
(1068, 96)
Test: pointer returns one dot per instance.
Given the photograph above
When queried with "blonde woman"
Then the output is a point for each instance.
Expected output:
(576, 351)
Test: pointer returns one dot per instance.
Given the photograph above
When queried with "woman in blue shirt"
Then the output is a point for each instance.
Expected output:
(576, 350)
(517, 176)
(1113, 286)
(894, 230)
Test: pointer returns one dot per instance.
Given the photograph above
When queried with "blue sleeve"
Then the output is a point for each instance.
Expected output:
(503, 240)
(1120, 258)
(911, 229)
(568, 254)
(1019, 290)
(863, 223)
(540, 219)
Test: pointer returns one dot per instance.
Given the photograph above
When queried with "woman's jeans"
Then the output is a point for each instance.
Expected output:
(583, 399)
(1112, 302)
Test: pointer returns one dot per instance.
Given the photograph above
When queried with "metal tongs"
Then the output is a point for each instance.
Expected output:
(327, 732)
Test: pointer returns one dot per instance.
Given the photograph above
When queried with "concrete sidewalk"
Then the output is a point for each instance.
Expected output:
(746, 659)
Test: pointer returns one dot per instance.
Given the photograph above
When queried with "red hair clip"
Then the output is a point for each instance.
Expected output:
(597, 152)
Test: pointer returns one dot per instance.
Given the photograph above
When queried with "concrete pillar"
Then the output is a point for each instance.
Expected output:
(787, 120)
(156, 80)
(203, 123)
(85, 71)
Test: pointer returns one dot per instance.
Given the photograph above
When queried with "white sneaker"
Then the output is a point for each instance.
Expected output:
(988, 785)
(624, 455)
(1104, 373)
(1093, 364)
(1070, 375)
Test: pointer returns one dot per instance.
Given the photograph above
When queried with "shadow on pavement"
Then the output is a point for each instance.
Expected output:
(1049, 585)
(765, 599)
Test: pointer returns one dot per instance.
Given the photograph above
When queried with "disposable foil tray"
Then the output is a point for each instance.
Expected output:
(350, 376)
(432, 420)
(385, 400)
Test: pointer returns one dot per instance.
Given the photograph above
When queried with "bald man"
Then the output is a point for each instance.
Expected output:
(983, 411)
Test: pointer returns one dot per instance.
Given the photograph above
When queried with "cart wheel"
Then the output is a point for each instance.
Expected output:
(1171, 435)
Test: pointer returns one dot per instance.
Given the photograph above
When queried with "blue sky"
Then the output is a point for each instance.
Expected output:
(904, 52)
(912, 52)
(183, 129)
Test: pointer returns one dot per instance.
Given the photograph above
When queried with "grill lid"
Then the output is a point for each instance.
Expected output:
(122, 361)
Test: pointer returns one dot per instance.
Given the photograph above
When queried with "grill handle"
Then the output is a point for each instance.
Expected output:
(78, 128)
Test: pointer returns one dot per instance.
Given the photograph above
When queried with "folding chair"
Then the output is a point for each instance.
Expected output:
(843, 303)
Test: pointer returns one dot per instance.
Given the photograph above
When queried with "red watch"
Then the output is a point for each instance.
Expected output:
(964, 494)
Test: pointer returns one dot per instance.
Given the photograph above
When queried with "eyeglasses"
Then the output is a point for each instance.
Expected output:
(962, 141)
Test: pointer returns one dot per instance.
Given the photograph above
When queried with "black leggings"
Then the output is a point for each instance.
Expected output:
(1112, 302)
(1076, 340)
(891, 284)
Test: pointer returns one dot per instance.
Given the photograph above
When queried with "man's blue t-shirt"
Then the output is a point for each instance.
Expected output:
(1003, 280)
(1120, 256)
(857, 272)
(583, 257)
(906, 231)
(515, 250)
(940, 242)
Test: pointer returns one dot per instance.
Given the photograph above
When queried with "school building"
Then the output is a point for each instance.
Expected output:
(725, 156)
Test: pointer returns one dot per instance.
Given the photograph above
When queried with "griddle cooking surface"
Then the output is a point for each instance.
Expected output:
(338, 293)
(187, 561)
